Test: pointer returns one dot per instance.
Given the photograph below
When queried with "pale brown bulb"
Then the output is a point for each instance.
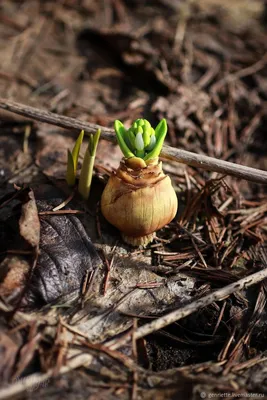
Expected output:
(138, 200)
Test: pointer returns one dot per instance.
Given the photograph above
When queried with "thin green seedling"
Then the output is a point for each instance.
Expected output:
(72, 161)
(88, 165)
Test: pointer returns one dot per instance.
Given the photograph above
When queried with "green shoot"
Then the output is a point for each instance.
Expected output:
(72, 162)
(120, 131)
(88, 165)
(160, 133)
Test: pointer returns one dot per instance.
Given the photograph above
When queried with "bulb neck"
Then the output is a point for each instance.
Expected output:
(140, 177)
(138, 241)
(137, 163)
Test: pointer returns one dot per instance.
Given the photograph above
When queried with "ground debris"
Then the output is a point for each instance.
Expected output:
(201, 65)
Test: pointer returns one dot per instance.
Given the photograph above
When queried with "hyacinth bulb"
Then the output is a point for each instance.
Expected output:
(139, 198)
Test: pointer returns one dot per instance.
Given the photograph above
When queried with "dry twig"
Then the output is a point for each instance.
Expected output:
(170, 153)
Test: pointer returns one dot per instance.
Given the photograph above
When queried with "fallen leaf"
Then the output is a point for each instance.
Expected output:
(29, 223)
(66, 253)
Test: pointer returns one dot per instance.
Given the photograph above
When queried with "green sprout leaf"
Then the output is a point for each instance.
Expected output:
(88, 165)
(160, 133)
(70, 175)
(161, 129)
(72, 162)
(131, 137)
(127, 139)
(120, 131)
(76, 149)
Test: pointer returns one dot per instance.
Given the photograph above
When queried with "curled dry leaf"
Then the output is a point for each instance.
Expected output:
(66, 253)
(29, 223)
(16, 267)
(14, 270)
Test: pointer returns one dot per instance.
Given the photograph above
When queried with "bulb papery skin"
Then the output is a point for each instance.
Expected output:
(138, 200)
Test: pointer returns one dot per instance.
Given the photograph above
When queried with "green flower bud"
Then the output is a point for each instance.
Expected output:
(147, 124)
(152, 143)
(139, 130)
(146, 135)
(139, 143)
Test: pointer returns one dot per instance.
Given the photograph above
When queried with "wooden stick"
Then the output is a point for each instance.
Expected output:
(38, 380)
(170, 153)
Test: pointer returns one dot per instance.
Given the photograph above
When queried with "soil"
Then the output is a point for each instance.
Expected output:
(73, 295)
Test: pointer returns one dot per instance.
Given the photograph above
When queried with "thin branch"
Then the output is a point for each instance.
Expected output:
(38, 380)
(170, 153)
(197, 305)
(242, 73)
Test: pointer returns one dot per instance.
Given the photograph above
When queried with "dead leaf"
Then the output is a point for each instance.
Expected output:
(29, 223)
(66, 253)
(14, 270)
